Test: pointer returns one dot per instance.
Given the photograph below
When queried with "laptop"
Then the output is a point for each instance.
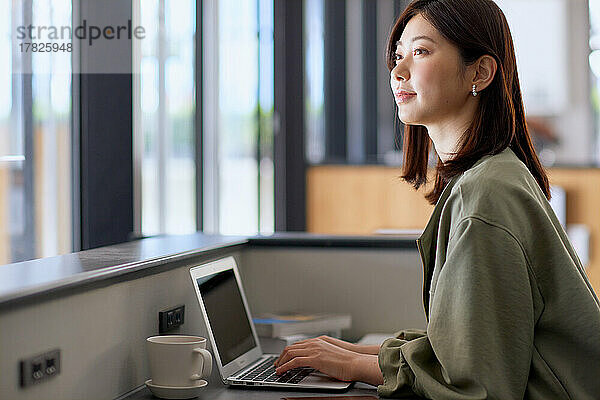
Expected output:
(231, 331)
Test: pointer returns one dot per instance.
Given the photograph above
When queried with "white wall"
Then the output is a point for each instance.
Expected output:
(380, 288)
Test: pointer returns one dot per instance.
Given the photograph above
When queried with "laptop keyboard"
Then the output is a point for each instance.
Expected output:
(265, 372)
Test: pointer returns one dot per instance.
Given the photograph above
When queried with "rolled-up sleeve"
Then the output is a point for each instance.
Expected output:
(479, 338)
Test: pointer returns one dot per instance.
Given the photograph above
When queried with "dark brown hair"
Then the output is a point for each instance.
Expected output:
(476, 28)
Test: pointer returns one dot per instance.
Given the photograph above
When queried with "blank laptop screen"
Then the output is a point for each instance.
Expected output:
(227, 316)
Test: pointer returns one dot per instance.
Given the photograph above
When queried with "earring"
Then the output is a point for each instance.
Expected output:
(474, 91)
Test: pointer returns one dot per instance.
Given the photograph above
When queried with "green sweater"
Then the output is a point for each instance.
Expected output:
(510, 311)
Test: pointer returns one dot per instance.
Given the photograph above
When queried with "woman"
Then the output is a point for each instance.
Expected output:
(510, 312)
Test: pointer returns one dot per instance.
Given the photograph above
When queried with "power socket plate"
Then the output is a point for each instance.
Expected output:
(171, 319)
(38, 368)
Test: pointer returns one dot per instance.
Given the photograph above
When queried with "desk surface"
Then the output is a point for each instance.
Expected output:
(218, 391)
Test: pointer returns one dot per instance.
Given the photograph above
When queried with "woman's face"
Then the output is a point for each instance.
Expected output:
(428, 79)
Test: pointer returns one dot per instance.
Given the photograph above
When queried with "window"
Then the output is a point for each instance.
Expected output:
(315, 123)
(35, 136)
(594, 61)
(349, 108)
(237, 41)
(164, 116)
(554, 44)
(238, 114)
(355, 123)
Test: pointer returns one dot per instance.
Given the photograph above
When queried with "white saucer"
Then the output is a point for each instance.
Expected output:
(176, 392)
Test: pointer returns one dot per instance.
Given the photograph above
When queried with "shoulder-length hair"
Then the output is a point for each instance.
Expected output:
(476, 28)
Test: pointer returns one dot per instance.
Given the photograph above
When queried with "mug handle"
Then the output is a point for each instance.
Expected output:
(206, 364)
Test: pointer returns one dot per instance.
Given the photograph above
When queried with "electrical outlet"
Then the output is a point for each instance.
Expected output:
(171, 318)
(39, 368)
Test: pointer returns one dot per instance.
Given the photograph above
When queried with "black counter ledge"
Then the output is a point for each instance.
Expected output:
(28, 281)
(301, 239)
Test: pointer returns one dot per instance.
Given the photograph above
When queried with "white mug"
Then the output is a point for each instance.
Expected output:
(178, 360)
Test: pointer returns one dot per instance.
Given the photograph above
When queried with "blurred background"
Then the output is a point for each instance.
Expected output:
(254, 116)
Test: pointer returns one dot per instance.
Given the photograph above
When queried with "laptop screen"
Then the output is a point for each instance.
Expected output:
(226, 314)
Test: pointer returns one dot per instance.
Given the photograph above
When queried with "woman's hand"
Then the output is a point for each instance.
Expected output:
(331, 359)
(362, 349)
(321, 355)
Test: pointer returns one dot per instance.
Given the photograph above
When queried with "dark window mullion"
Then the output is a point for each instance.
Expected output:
(106, 137)
(288, 133)
(334, 37)
(370, 59)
